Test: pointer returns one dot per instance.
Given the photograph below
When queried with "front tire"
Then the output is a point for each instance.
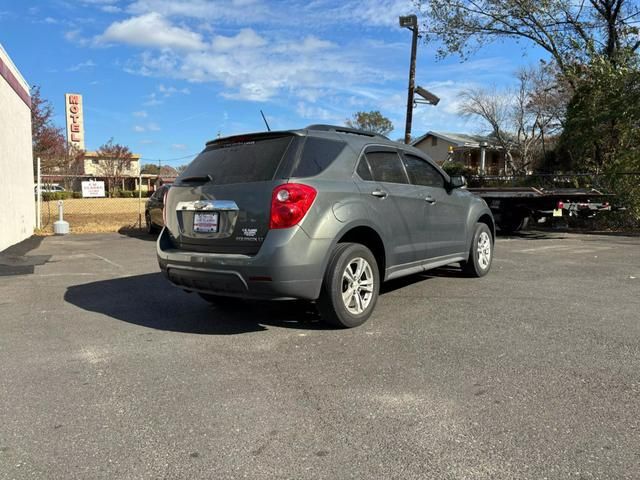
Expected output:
(480, 253)
(350, 287)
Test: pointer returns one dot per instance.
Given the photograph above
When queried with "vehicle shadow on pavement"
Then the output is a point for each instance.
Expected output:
(138, 233)
(402, 282)
(534, 235)
(150, 301)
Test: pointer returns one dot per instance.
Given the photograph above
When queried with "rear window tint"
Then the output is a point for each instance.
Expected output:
(317, 155)
(246, 162)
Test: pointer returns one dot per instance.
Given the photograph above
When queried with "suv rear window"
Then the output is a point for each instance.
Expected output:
(317, 155)
(252, 160)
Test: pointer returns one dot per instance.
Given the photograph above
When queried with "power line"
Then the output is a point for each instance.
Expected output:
(169, 159)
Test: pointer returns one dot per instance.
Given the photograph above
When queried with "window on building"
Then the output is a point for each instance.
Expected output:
(434, 141)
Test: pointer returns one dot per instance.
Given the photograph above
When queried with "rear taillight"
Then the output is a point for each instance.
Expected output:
(164, 207)
(289, 204)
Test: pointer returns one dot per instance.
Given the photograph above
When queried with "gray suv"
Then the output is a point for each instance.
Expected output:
(323, 213)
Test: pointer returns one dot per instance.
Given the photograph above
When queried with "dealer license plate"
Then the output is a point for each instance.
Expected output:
(205, 222)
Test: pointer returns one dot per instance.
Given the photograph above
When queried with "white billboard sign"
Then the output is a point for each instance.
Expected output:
(92, 189)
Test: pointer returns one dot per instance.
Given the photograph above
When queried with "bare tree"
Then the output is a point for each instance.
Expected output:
(520, 119)
(113, 160)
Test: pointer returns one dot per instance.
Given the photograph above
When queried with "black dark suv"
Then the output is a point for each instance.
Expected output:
(324, 213)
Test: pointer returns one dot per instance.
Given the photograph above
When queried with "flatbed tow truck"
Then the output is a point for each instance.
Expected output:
(514, 207)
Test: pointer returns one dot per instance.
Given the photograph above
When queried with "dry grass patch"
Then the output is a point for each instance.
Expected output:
(94, 215)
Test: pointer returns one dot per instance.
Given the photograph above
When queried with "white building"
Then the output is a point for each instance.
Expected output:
(17, 200)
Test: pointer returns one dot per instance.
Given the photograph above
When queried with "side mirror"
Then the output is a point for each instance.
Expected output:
(457, 181)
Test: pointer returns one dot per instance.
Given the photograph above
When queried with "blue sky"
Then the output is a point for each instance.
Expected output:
(164, 76)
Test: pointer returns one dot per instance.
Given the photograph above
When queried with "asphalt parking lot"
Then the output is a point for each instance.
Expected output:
(107, 371)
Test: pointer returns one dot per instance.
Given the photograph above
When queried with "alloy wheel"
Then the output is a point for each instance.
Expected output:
(357, 285)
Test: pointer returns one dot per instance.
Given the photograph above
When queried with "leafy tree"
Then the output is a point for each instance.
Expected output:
(571, 32)
(113, 161)
(372, 121)
(603, 118)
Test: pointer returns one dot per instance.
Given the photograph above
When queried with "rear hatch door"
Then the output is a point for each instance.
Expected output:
(222, 201)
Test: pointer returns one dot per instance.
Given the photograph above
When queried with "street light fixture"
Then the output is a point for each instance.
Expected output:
(429, 98)
(410, 22)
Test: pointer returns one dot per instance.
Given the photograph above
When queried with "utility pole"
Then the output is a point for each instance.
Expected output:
(410, 22)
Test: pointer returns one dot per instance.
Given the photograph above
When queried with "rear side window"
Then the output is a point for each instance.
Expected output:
(386, 167)
(244, 162)
(422, 173)
(317, 155)
(363, 170)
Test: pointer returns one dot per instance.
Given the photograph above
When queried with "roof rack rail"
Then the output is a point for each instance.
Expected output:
(340, 129)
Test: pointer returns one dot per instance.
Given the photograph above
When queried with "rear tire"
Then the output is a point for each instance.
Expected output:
(350, 287)
(151, 228)
(480, 253)
(513, 224)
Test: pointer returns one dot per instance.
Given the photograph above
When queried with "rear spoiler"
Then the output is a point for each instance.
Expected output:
(248, 137)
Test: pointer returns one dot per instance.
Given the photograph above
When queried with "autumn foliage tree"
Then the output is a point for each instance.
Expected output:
(113, 162)
(48, 140)
(49, 143)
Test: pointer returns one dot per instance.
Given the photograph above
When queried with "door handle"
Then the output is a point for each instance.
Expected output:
(379, 193)
(430, 200)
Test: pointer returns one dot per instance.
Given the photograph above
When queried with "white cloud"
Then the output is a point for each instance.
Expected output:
(151, 30)
(88, 64)
(179, 146)
(233, 11)
(152, 100)
(150, 127)
(318, 114)
(111, 9)
(169, 91)
(293, 13)
(74, 36)
(246, 38)
(140, 114)
(269, 68)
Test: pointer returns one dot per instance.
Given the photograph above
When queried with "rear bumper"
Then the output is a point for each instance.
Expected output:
(288, 265)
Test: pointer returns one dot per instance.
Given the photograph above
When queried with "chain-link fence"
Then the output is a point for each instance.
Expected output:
(117, 210)
(125, 209)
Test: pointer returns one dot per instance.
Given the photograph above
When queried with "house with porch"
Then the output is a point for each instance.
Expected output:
(464, 149)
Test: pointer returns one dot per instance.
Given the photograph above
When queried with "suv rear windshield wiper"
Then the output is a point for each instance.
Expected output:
(197, 179)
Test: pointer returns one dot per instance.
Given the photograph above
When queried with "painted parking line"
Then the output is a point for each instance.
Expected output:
(564, 249)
